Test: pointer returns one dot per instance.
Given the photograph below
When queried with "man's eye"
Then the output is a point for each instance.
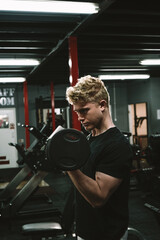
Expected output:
(84, 111)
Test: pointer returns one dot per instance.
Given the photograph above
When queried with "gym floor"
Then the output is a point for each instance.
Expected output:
(141, 218)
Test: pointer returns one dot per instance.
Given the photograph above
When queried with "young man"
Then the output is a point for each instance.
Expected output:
(103, 183)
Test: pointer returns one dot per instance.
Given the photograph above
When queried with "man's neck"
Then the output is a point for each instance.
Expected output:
(104, 128)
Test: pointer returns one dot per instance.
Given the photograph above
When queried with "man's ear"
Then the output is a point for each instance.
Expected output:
(103, 104)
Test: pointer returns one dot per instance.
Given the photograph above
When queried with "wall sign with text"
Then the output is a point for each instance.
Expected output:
(7, 96)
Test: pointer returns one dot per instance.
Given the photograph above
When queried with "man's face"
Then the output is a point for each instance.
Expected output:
(90, 114)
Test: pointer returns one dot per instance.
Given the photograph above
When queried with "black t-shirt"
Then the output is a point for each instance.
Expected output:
(111, 154)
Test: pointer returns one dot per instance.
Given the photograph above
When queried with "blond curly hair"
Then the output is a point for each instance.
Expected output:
(87, 89)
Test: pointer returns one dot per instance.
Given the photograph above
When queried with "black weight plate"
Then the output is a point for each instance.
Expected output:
(68, 149)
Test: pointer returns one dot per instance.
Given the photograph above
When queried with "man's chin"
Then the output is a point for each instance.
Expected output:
(87, 127)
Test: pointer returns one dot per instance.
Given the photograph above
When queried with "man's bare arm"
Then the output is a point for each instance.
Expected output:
(97, 191)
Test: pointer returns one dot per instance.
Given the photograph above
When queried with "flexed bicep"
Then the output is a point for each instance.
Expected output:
(107, 185)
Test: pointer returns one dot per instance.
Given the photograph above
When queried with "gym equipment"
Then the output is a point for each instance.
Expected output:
(152, 199)
(62, 150)
(10, 188)
(75, 151)
(154, 142)
(51, 229)
(62, 226)
(29, 164)
(127, 135)
(134, 234)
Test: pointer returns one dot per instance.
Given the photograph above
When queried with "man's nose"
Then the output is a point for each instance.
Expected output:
(80, 117)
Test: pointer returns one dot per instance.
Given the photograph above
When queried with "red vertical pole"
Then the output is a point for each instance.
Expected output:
(52, 106)
(26, 113)
(74, 74)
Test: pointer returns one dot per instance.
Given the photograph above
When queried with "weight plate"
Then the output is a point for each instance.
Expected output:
(68, 150)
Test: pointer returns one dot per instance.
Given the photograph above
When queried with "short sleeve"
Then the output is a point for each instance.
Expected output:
(115, 160)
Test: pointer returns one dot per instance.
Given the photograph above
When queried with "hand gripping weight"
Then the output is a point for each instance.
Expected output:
(67, 149)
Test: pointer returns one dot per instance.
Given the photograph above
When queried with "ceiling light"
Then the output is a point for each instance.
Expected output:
(50, 6)
(123, 69)
(126, 76)
(18, 62)
(21, 48)
(150, 62)
(12, 79)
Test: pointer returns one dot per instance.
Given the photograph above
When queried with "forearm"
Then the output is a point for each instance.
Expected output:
(88, 187)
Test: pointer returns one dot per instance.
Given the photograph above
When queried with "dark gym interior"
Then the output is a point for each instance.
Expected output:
(113, 41)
